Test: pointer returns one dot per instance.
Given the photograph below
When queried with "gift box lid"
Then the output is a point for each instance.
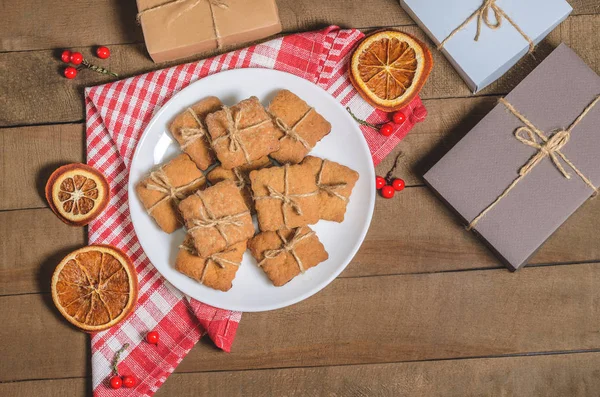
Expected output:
(482, 62)
(478, 169)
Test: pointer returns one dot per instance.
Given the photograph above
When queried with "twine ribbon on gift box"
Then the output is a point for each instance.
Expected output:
(211, 3)
(234, 132)
(286, 198)
(330, 188)
(191, 135)
(483, 17)
(160, 182)
(290, 132)
(288, 246)
(546, 147)
(209, 220)
(217, 259)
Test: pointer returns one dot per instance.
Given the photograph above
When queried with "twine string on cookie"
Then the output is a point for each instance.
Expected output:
(288, 246)
(546, 147)
(286, 198)
(191, 135)
(330, 188)
(217, 259)
(234, 132)
(209, 220)
(483, 17)
(240, 179)
(173, 18)
(290, 132)
(160, 182)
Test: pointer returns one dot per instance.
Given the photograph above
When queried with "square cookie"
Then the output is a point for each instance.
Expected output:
(242, 133)
(162, 190)
(299, 126)
(240, 176)
(217, 218)
(286, 253)
(217, 271)
(190, 132)
(285, 197)
(335, 183)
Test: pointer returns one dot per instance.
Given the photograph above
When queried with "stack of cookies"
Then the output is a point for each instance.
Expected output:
(263, 168)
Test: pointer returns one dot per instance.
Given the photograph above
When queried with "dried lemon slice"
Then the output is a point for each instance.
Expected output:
(389, 68)
(95, 287)
(77, 193)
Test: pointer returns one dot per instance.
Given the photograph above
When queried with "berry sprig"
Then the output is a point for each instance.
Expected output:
(116, 381)
(385, 129)
(76, 58)
(389, 185)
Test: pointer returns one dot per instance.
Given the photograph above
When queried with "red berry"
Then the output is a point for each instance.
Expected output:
(129, 381)
(152, 337)
(379, 182)
(102, 52)
(387, 129)
(116, 382)
(399, 117)
(70, 72)
(66, 56)
(387, 191)
(76, 58)
(398, 184)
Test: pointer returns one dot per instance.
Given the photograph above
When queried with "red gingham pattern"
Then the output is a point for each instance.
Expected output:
(117, 114)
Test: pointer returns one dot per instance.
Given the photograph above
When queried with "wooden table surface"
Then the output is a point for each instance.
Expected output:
(423, 309)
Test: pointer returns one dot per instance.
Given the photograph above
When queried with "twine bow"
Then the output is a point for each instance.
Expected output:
(211, 3)
(546, 147)
(234, 132)
(286, 198)
(483, 17)
(161, 183)
(288, 246)
(191, 135)
(209, 220)
(290, 132)
(330, 188)
(215, 258)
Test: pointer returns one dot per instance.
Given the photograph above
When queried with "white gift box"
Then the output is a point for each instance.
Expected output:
(482, 62)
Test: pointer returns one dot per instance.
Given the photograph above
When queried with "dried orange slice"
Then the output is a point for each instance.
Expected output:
(388, 68)
(77, 193)
(95, 287)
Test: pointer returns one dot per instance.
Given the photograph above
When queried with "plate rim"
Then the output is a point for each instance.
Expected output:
(350, 255)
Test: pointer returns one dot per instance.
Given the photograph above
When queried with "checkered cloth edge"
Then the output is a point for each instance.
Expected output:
(117, 114)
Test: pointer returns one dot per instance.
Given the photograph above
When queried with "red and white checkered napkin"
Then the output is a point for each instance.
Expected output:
(117, 114)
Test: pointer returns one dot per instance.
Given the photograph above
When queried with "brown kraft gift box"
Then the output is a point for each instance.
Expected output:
(175, 29)
(513, 187)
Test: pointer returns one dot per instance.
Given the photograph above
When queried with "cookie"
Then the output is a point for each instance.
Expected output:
(299, 126)
(242, 133)
(240, 176)
(217, 218)
(285, 197)
(286, 253)
(335, 183)
(217, 271)
(189, 130)
(165, 187)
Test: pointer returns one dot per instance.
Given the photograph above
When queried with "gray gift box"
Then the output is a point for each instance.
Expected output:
(483, 165)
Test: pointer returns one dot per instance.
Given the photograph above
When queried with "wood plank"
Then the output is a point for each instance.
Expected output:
(40, 85)
(534, 376)
(355, 321)
(32, 243)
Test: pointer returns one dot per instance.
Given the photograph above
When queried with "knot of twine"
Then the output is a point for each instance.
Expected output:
(161, 183)
(209, 220)
(215, 258)
(330, 188)
(286, 198)
(240, 180)
(234, 132)
(483, 17)
(288, 246)
(546, 147)
(173, 18)
(290, 132)
(191, 135)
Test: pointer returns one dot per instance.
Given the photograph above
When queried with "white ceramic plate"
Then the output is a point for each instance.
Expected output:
(252, 291)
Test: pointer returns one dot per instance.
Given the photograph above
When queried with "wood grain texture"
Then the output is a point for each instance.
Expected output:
(355, 321)
(534, 376)
(40, 85)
